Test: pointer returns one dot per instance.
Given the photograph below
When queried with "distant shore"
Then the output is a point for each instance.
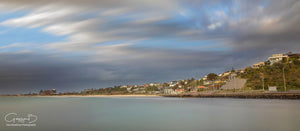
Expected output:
(246, 95)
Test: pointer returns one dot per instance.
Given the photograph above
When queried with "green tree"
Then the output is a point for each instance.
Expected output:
(201, 82)
(232, 69)
(152, 88)
(212, 76)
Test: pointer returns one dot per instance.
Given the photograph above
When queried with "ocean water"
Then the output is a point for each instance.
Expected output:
(152, 114)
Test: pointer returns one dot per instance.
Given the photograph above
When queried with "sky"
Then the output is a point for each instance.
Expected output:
(72, 45)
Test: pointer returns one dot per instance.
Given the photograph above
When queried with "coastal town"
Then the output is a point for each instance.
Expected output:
(150, 65)
(253, 78)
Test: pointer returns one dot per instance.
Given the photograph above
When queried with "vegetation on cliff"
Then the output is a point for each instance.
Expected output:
(274, 75)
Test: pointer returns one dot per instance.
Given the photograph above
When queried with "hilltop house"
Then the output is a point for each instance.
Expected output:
(259, 64)
(291, 55)
(232, 75)
(173, 83)
(239, 71)
(227, 73)
(276, 58)
(220, 75)
(205, 78)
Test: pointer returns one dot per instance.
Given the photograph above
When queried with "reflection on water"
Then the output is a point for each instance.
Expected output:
(153, 113)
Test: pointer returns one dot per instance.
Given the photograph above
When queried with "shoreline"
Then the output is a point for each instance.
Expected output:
(83, 96)
(240, 95)
(284, 95)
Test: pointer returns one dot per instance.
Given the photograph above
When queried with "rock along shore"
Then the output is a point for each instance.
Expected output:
(284, 95)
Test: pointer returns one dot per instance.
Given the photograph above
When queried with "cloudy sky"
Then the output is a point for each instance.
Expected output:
(71, 45)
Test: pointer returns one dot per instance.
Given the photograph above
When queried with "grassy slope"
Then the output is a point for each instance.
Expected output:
(273, 75)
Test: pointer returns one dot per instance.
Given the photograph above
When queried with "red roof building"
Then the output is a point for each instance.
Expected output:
(202, 87)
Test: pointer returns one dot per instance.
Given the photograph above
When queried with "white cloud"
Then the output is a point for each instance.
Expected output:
(89, 22)
(116, 12)
(12, 46)
(214, 26)
(39, 18)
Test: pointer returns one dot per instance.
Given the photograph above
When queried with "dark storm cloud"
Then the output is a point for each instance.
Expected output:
(25, 72)
(31, 72)
(278, 33)
(259, 28)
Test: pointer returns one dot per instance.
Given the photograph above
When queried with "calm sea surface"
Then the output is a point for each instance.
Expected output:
(153, 114)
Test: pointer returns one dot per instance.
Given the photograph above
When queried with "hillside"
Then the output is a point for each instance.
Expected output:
(272, 75)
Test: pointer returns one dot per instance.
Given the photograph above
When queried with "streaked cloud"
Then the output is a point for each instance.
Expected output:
(140, 39)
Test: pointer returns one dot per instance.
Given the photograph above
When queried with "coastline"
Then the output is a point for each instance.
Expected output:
(84, 96)
(239, 95)
(268, 95)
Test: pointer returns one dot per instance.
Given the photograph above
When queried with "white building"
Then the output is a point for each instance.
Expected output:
(220, 75)
(129, 89)
(207, 82)
(169, 91)
(232, 76)
(125, 86)
(154, 84)
(205, 78)
(227, 73)
(276, 58)
(259, 64)
(240, 70)
(173, 83)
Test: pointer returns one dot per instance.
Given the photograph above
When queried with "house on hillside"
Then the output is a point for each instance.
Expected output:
(239, 71)
(291, 55)
(207, 82)
(276, 58)
(169, 91)
(154, 84)
(205, 78)
(227, 73)
(139, 91)
(202, 88)
(173, 83)
(179, 91)
(232, 75)
(220, 75)
(259, 64)
(147, 85)
(180, 85)
(129, 89)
